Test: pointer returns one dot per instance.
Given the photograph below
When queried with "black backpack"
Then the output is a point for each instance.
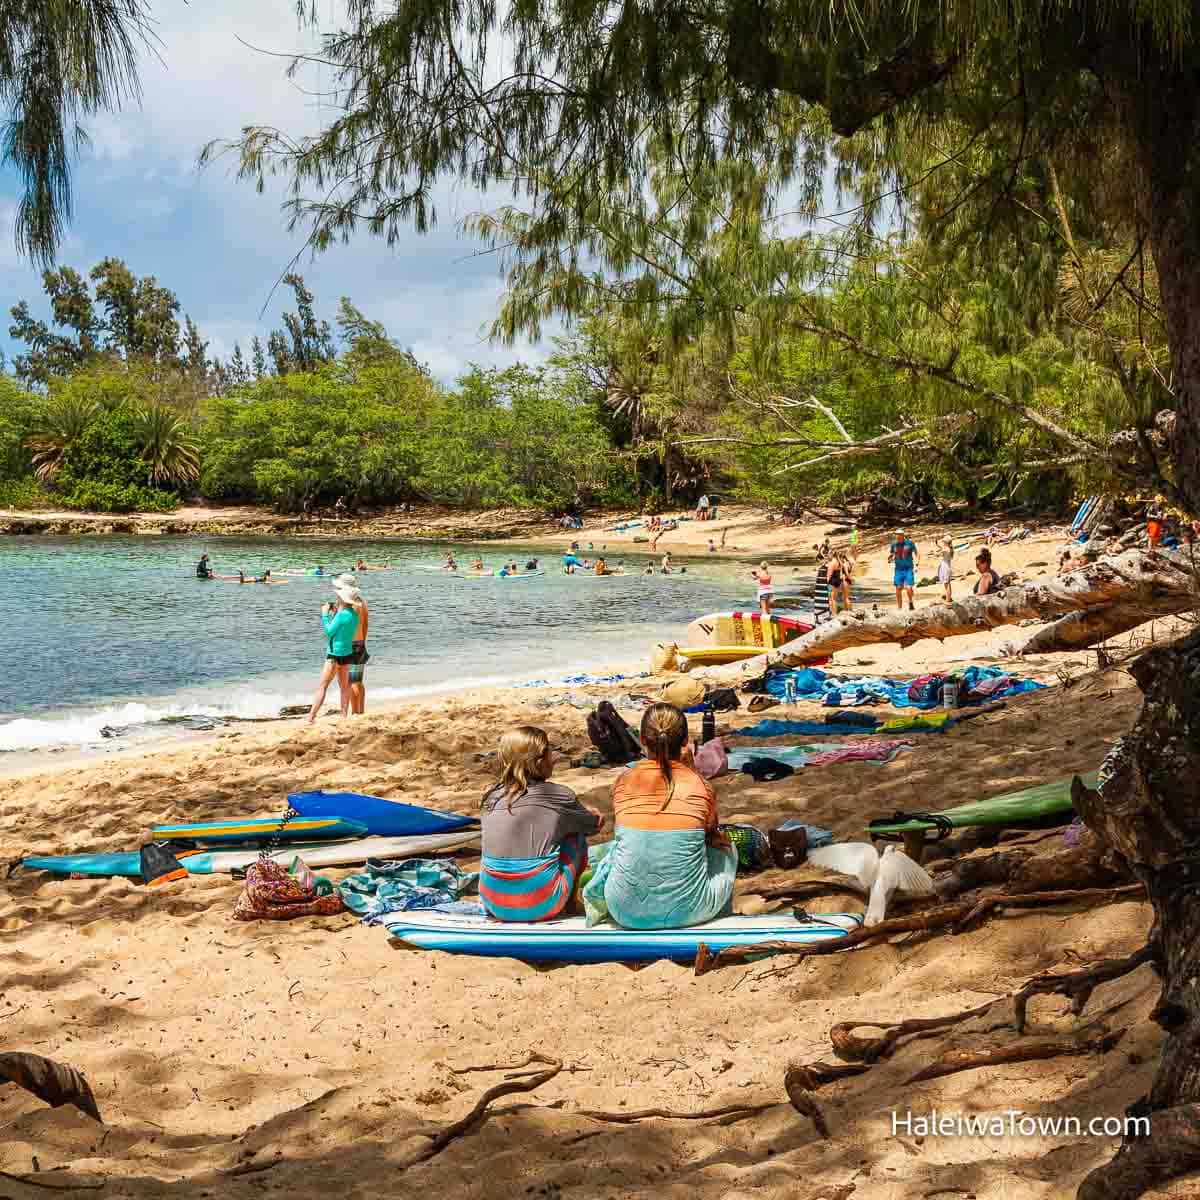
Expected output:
(611, 736)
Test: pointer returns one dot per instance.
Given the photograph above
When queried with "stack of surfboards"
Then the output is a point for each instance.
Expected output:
(331, 829)
(733, 636)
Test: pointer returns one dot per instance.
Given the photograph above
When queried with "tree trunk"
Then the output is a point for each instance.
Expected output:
(1149, 813)
(1080, 630)
(1154, 584)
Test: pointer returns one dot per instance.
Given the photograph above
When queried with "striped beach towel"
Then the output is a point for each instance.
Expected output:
(532, 889)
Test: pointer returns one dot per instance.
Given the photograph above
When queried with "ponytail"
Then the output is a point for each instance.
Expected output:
(664, 732)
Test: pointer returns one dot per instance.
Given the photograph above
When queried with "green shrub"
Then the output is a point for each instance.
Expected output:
(91, 495)
(24, 494)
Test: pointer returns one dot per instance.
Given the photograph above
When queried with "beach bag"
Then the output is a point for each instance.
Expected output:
(270, 893)
(752, 846)
(711, 759)
(684, 693)
(664, 657)
(611, 736)
(722, 699)
(926, 689)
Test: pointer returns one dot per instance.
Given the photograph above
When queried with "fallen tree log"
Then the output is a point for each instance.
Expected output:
(1077, 631)
(1154, 584)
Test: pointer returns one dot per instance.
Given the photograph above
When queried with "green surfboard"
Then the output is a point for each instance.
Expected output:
(1041, 805)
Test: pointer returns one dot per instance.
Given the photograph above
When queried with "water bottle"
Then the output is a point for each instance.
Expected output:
(789, 690)
(708, 730)
(950, 693)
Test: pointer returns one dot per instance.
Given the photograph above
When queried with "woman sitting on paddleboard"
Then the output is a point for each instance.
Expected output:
(534, 833)
(668, 865)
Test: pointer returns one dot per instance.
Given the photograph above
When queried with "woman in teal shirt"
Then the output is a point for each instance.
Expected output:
(339, 622)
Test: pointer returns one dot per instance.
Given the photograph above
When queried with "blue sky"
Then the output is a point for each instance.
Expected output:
(218, 244)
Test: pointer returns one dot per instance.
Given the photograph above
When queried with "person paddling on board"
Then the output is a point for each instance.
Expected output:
(203, 568)
(366, 566)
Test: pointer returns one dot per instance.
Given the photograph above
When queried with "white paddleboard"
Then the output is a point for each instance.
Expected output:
(331, 854)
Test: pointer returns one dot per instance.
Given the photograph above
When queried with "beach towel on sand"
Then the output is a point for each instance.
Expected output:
(533, 889)
(852, 692)
(412, 883)
(659, 879)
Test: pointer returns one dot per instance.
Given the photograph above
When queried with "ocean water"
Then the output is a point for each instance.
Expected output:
(114, 639)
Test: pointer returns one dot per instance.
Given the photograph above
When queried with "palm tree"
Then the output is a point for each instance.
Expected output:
(63, 420)
(168, 447)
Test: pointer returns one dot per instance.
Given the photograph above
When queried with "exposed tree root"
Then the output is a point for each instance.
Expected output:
(704, 1114)
(954, 1061)
(1079, 985)
(987, 905)
(871, 1050)
(960, 916)
(798, 1082)
(439, 1141)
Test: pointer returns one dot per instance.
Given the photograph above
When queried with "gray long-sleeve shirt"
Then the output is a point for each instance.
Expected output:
(541, 817)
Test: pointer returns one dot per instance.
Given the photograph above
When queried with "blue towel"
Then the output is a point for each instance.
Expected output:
(816, 837)
(854, 691)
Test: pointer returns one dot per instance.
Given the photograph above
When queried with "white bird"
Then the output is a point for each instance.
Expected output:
(881, 876)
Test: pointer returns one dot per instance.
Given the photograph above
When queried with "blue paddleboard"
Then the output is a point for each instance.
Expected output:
(383, 818)
(570, 939)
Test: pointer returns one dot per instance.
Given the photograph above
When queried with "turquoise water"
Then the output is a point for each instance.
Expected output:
(117, 634)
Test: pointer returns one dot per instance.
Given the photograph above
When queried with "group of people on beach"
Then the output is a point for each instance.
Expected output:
(535, 848)
(904, 556)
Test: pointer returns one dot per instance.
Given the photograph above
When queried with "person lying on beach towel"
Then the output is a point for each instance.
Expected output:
(668, 865)
(534, 833)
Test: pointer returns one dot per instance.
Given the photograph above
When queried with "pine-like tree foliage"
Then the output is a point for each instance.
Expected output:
(61, 62)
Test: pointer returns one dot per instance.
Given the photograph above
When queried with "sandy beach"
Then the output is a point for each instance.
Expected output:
(312, 1057)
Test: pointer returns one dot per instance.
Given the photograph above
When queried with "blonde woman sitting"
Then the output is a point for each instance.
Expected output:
(534, 834)
(668, 865)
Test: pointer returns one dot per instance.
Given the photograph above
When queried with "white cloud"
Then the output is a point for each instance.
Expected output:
(222, 246)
